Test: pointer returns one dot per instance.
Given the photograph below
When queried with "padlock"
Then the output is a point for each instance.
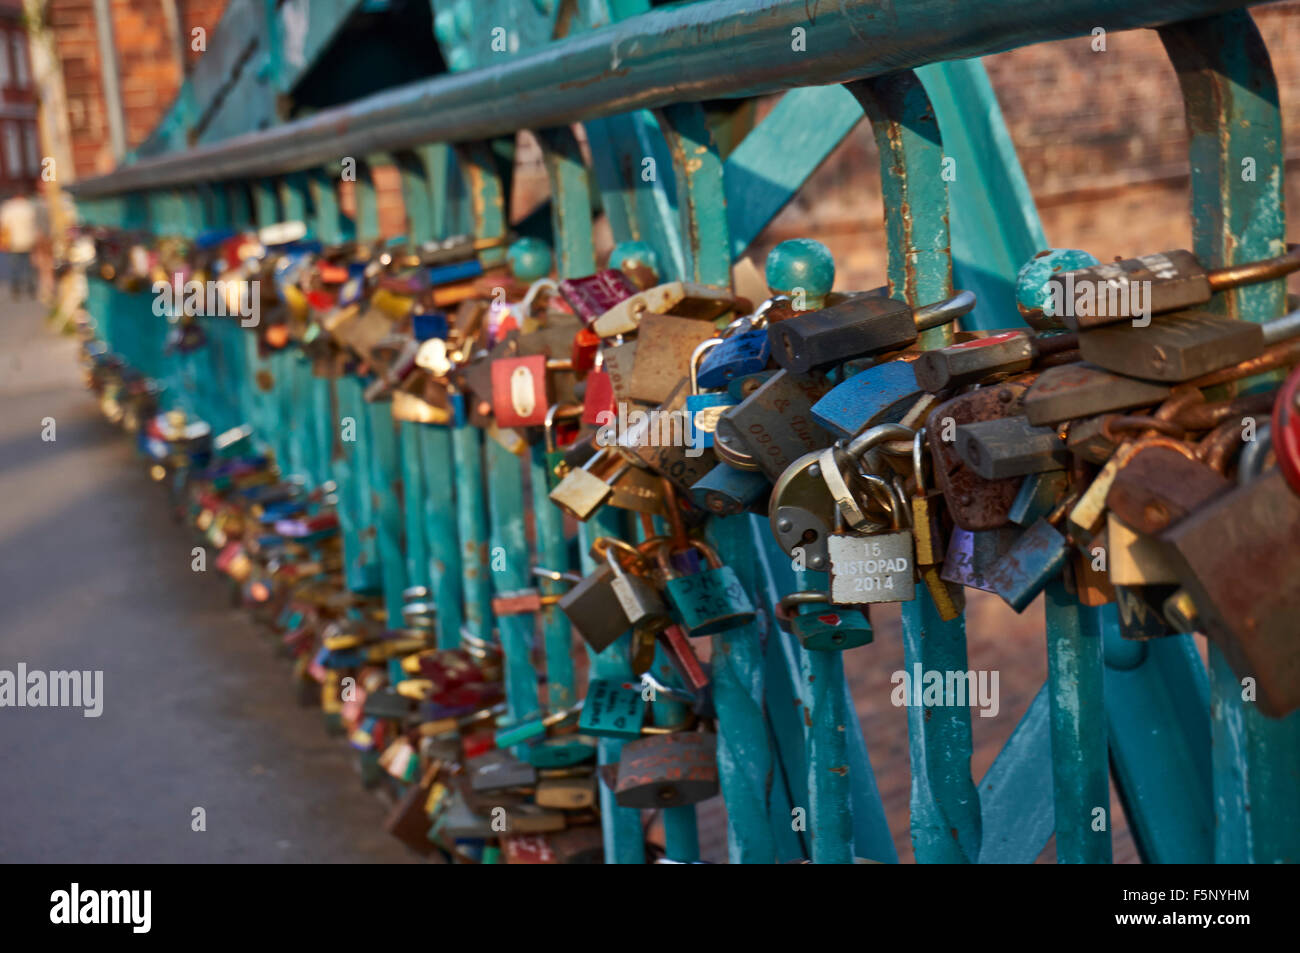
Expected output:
(1010, 447)
(1136, 559)
(617, 361)
(582, 492)
(595, 610)
(598, 398)
(828, 629)
(971, 553)
(695, 675)
(640, 602)
(592, 296)
(986, 359)
(1237, 557)
(868, 569)
(612, 709)
(562, 751)
(574, 793)
(864, 324)
(1141, 615)
(1173, 347)
(1079, 390)
(975, 503)
(668, 770)
(1038, 496)
(1285, 429)
(929, 533)
(774, 424)
(725, 491)
(556, 463)
(707, 602)
(1035, 559)
(532, 730)
(499, 771)
(704, 409)
(661, 441)
(1159, 481)
(742, 352)
(877, 395)
(665, 348)
(678, 298)
(1152, 284)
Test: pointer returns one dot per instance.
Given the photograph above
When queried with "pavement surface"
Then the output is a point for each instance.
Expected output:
(197, 709)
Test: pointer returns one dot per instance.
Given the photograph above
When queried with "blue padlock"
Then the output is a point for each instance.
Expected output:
(744, 353)
(877, 395)
(725, 491)
(703, 410)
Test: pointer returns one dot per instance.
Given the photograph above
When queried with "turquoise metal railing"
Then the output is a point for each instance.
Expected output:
(1198, 780)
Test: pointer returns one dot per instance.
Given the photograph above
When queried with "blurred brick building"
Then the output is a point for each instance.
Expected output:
(20, 153)
(112, 102)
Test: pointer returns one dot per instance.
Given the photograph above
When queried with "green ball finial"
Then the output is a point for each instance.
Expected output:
(1033, 298)
(801, 264)
(530, 259)
(630, 256)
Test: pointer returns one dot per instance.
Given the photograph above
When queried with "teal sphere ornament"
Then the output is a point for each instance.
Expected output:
(632, 256)
(801, 266)
(530, 259)
(1033, 295)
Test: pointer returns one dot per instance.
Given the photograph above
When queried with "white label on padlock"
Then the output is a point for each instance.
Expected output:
(432, 356)
(866, 569)
(523, 394)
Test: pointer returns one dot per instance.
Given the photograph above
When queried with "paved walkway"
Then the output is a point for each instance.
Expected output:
(197, 710)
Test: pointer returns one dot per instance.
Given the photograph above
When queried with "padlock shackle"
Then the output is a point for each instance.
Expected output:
(876, 436)
(700, 350)
(944, 312)
(563, 411)
(1255, 453)
(1254, 272)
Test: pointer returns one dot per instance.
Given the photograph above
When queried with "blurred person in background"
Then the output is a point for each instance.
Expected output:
(18, 234)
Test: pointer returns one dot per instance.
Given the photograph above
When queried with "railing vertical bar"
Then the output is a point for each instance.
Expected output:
(1080, 767)
(945, 802)
(624, 841)
(1231, 100)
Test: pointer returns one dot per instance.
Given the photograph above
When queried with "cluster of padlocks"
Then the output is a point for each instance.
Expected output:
(1098, 445)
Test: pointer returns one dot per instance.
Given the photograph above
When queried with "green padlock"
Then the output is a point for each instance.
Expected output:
(613, 708)
(532, 730)
(832, 629)
(708, 602)
(563, 751)
(555, 465)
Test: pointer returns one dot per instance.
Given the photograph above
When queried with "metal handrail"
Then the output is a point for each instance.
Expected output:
(716, 49)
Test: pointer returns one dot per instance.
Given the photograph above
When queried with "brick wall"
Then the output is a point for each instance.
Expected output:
(149, 75)
(1101, 138)
(20, 151)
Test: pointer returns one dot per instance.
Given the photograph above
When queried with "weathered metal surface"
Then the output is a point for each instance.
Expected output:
(945, 802)
(689, 52)
(1017, 810)
(1080, 769)
(1231, 102)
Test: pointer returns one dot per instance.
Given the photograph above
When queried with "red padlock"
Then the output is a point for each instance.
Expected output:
(592, 296)
(1286, 430)
(598, 398)
(586, 344)
(519, 393)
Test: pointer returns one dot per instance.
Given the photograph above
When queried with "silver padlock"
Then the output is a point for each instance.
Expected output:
(639, 600)
(879, 567)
